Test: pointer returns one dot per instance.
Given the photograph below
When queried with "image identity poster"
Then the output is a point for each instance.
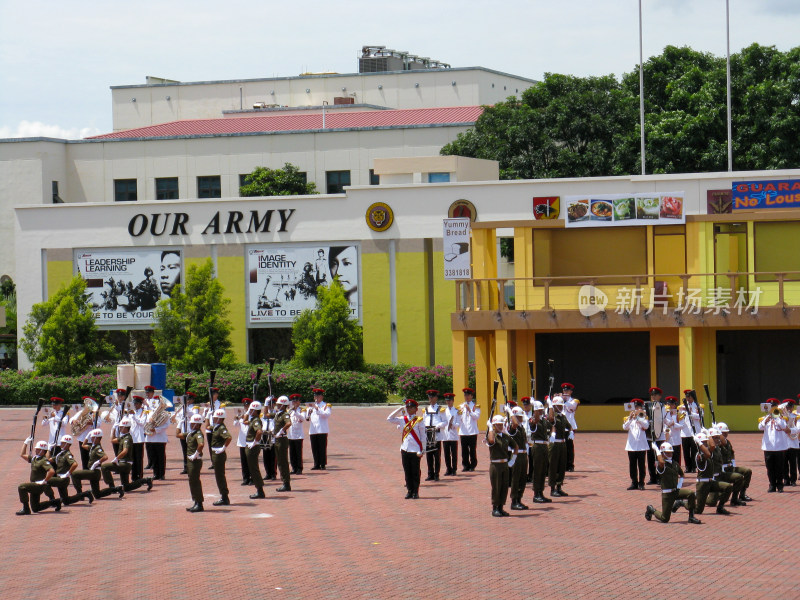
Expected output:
(611, 210)
(455, 235)
(124, 285)
(283, 280)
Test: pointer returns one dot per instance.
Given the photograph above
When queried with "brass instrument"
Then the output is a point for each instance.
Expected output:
(84, 418)
(158, 418)
(461, 408)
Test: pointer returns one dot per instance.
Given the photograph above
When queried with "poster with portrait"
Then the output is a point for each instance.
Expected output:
(124, 285)
(282, 281)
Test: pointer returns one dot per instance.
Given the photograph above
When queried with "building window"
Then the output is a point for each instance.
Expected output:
(209, 186)
(56, 198)
(374, 179)
(167, 188)
(438, 177)
(336, 181)
(125, 190)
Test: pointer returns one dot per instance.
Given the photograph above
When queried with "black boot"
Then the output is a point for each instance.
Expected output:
(149, 482)
(285, 488)
(505, 514)
(409, 496)
(721, 510)
(692, 519)
(676, 505)
(554, 493)
(89, 496)
(633, 486)
(648, 513)
(743, 496)
(120, 490)
(259, 494)
(224, 501)
(247, 482)
(561, 492)
(26, 509)
(495, 512)
(196, 508)
(57, 504)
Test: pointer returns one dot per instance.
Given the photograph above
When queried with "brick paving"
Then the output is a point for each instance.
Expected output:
(348, 532)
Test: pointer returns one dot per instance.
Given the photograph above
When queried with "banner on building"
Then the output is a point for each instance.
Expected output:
(457, 263)
(124, 285)
(283, 280)
(610, 210)
(776, 193)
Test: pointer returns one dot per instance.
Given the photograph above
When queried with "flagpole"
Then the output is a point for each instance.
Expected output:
(728, 36)
(641, 86)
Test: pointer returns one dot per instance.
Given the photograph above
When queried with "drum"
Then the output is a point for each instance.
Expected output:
(655, 413)
(430, 439)
(268, 439)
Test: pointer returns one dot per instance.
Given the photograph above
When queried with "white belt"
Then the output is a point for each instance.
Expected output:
(666, 491)
(558, 440)
(726, 465)
(539, 441)
(699, 480)
(500, 460)
(716, 474)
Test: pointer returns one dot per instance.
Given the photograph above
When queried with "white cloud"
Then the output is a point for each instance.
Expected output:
(26, 129)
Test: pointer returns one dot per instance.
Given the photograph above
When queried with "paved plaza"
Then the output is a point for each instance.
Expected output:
(347, 532)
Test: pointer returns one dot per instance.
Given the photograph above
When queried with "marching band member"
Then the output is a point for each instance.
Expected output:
(743, 471)
(182, 424)
(450, 434)
(636, 425)
(220, 440)
(672, 490)
(468, 431)
(295, 435)
(122, 463)
(411, 447)
(570, 408)
(557, 451)
(711, 489)
(690, 425)
(519, 471)
(253, 443)
(115, 415)
(434, 423)
(774, 444)
(539, 432)
(793, 451)
(194, 449)
(156, 444)
(673, 428)
(655, 399)
(82, 435)
(64, 464)
(502, 455)
(318, 413)
(241, 440)
(268, 453)
(280, 427)
(57, 420)
(42, 471)
(150, 404)
(213, 405)
(138, 419)
(97, 457)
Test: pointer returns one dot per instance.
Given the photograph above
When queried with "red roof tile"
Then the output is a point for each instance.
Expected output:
(303, 122)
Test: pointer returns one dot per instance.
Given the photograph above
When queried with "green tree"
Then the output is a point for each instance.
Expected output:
(8, 300)
(288, 181)
(61, 336)
(326, 337)
(192, 329)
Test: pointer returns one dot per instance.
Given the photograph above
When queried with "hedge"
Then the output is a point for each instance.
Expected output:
(417, 380)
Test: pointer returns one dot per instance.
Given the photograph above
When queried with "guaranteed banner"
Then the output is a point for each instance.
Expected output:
(283, 280)
(610, 210)
(777, 193)
(124, 285)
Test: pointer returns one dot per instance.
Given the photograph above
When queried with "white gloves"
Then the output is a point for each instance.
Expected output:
(193, 456)
(95, 466)
(656, 449)
(42, 482)
(512, 461)
(116, 460)
(219, 450)
(733, 463)
(251, 444)
(552, 437)
(680, 482)
(489, 423)
(28, 440)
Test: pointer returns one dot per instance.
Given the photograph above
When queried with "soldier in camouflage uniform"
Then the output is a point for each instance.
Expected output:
(97, 457)
(557, 448)
(64, 464)
(123, 461)
(671, 487)
(499, 443)
(253, 446)
(41, 472)
(539, 430)
(220, 439)
(519, 472)
(194, 461)
(280, 426)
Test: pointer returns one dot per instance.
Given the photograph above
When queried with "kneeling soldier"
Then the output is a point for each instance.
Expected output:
(671, 479)
(64, 464)
(707, 482)
(41, 472)
(122, 463)
(97, 457)
(194, 461)
(220, 438)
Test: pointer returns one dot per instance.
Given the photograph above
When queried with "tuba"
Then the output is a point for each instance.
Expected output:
(158, 418)
(84, 418)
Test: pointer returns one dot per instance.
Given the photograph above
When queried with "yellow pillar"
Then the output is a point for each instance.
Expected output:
(523, 267)
(484, 266)
(686, 358)
(525, 350)
(503, 353)
(460, 361)
(484, 370)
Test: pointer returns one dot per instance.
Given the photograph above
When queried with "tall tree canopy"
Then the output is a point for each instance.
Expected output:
(288, 181)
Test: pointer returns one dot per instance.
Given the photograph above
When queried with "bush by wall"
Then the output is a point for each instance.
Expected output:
(23, 387)
(415, 381)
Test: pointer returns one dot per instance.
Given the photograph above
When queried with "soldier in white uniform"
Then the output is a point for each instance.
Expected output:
(158, 442)
(774, 443)
(468, 431)
(413, 444)
(673, 428)
(318, 413)
(690, 426)
(434, 424)
(636, 424)
(115, 415)
(58, 421)
(570, 408)
(295, 435)
(655, 399)
(268, 454)
(138, 419)
(793, 451)
(450, 434)
(150, 404)
(82, 435)
(241, 440)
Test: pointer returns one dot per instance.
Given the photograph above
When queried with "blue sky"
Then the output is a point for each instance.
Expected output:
(58, 60)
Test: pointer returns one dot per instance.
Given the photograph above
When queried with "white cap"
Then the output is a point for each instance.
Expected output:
(256, 405)
(558, 401)
(96, 433)
(196, 419)
(666, 447)
(219, 413)
(714, 432)
(498, 419)
(283, 400)
(41, 445)
(125, 422)
(538, 405)
(66, 438)
(723, 427)
(702, 436)
(517, 412)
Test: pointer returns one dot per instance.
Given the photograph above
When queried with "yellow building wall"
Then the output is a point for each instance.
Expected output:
(230, 273)
(59, 272)
(444, 303)
(411, 270)
(376, 318)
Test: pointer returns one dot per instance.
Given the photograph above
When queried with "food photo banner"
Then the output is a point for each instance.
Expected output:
(610, 210)
(124, 285)
(283, 280)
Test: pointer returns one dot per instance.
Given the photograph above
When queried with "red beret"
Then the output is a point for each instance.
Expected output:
(318, 391)
(214, 390)
(87, 398)
(411, 402)
(773, 400)
(449, 395)
(468, 390)
(149, 388)
(294, 397)
(191, 395)
(56, 400)
(119, 391)
(567, 386)
(790, 401)
(511, 402)
(525, 400)
(671, 399)
(432, 392)
(687, 392)
(138, 399)
(655, 390)
(246, 400)
(638, 401)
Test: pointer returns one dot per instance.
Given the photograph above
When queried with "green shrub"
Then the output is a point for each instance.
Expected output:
(389, 373)
(23, 387)
(415, 381)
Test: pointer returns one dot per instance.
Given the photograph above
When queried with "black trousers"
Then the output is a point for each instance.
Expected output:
(689, 451)
(411, 469)
(450, 456)
(138, 460)
(469, 453)
(208, 447)
(158, 458)
(270, 462)
(570, 454)
(790, 468)
(775, 462)
(651, 463)
(676, 455)
(148, 447)
(296, 455)
(636, 466)
(183, 450)
(245, 468)
(530, 464)
(434, 459)
(84, 456)
(319, 449)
